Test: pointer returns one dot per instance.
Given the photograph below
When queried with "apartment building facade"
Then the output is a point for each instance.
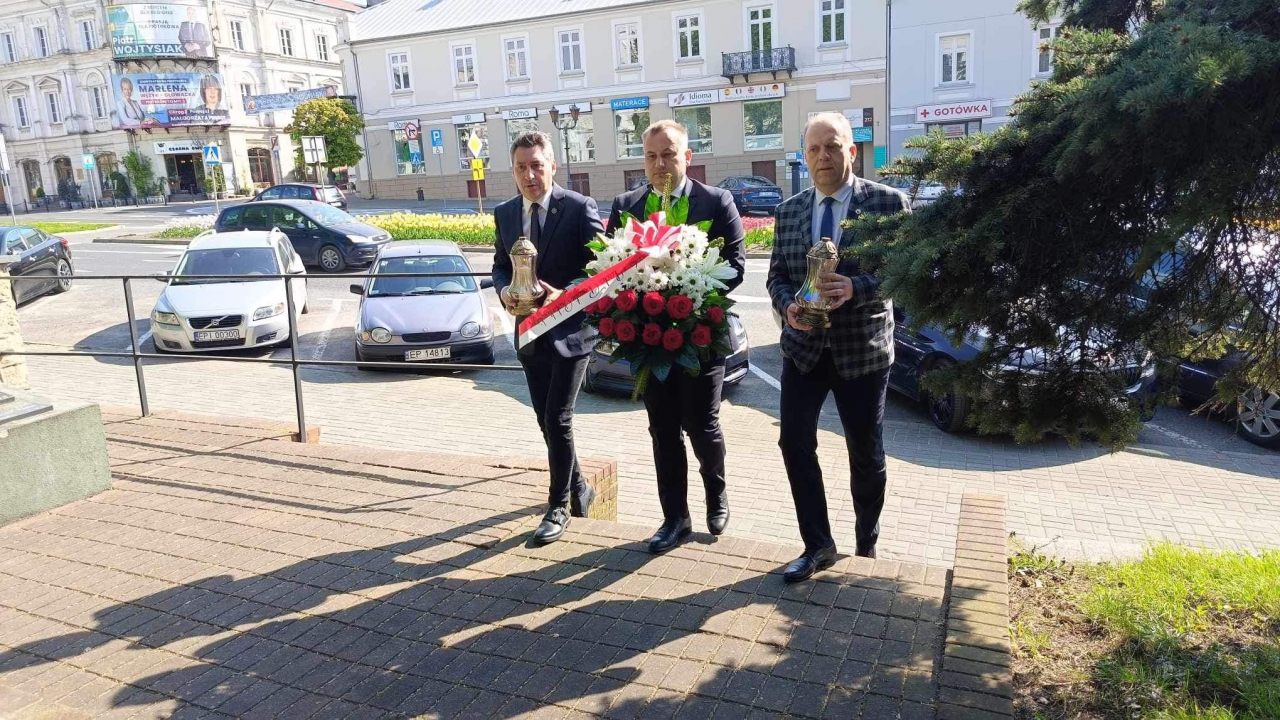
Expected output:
(957, 66)
(742, 75)
(84, 83)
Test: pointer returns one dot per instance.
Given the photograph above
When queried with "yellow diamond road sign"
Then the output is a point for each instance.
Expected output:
(474, 144)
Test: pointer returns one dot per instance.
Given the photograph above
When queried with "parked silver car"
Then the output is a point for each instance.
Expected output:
(429, 319)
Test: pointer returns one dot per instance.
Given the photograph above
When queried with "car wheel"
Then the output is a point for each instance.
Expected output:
(331, 259)
(948, 412)
(1258, 417)
(64, 276)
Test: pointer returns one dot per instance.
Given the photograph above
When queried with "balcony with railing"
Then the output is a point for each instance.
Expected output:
(773, 61)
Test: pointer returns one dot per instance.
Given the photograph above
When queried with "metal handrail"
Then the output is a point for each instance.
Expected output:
(296, 364)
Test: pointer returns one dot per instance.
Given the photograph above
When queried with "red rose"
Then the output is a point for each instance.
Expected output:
(606, 327)
(652, 334)
(672, 339)
(625, 330)
(679, 306)
(626, 300)
(701, 336)
(654, 303)
(594, 308)
(605, 303)
(715, 314)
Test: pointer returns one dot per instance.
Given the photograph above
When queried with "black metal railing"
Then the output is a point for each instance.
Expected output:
(774, 61)
(135, 353)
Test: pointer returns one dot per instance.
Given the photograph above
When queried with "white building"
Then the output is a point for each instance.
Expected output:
(742, 75)
(959, 65)
(64, 67)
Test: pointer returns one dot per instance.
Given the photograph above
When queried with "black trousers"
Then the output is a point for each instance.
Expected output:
(685, 404)
(554, 381)
(860, 402)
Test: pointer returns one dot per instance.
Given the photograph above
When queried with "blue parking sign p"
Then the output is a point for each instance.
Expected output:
(437, 138)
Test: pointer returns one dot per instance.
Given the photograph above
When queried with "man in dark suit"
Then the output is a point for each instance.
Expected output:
(559, 223)
(193, 35)
(684, 403)
(850, 359)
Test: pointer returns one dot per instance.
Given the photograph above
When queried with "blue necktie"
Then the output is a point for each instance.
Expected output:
(828, 226)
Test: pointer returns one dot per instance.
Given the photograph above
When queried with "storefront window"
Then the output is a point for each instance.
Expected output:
(516, 128)
(582, 140)
(464, 137)
(408, 154)
(628, 127)
(697, 120)
(762, 125)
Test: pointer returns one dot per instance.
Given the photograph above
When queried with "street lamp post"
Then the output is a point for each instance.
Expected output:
(570, 123)
(888, 79)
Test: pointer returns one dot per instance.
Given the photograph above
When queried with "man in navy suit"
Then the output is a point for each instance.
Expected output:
(559, 223)
(683, 403)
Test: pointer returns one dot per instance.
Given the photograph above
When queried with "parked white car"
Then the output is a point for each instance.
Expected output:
(196, 315)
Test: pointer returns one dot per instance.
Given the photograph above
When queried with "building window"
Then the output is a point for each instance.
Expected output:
(762, 125)
(260, 165)
(760, 29)
(634, 179)
(953, 56)
(399, 71)
(42, 42)
(582, 140)
(628, 37)
(517, 58)
(99, 102)
(464, 64)
(322, 47)
(1045, 37)
(689, 37)
(464, 137)
(832, 12)
(20, 115)
(237, 35)
(697, 120)
(286, 41)
(570, 51)
(408, 154)
(55, 107)
(516, 128)
(245, 90)
(9, 48)
(628, 127)
(87, 35)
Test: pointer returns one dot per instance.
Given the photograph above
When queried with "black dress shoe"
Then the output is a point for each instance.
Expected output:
(718, 513)
(803, 567)
(580, 506)
(866, 551)
(670, 535)
(552, 527)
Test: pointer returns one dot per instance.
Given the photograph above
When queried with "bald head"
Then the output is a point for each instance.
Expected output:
(829, 151)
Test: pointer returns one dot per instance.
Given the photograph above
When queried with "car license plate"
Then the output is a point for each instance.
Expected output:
(427, 354)
(217, 335)
(770, 196)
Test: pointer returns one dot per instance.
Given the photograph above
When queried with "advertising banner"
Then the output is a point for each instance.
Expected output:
(254, 104)
(153, 30)
(169, 100)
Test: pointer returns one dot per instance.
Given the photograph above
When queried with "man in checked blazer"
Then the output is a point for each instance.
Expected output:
(851, 359)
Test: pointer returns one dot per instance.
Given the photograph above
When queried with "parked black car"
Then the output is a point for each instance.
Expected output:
(44, 262)
(304, 191)
(752, 193)
(605, 375)
(322, 235)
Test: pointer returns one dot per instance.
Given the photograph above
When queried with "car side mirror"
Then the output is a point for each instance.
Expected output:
(486, 283)
(164, 276)
(357, 290)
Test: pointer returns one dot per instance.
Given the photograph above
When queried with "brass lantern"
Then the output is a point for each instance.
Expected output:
(525, 291)
(822, 257)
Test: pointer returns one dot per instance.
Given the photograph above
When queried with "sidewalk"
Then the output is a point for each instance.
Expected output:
(1078, 503)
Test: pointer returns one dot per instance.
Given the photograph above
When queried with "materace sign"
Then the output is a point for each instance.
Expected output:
(949, 112)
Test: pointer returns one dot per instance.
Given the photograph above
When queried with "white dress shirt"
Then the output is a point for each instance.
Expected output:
(681, 190)
(528, 213)
(839, 210)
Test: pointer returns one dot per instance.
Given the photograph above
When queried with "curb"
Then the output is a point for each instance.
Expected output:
(976, 677)
(86, 232)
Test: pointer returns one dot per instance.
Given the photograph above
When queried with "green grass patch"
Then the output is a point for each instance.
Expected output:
(53, 228)
(180, 231)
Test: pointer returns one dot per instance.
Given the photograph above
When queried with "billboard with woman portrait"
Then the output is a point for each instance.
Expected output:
(146, 100)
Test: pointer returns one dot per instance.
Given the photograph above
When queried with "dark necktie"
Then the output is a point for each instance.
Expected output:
(828, 226)
(535, 228)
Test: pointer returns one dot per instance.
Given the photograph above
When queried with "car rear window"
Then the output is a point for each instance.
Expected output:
(331, 194)
(755, 182)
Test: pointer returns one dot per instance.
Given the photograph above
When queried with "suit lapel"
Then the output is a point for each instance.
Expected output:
(548, 234)
(697, 203)
(637, 207)
(859, 196)
(805, 220)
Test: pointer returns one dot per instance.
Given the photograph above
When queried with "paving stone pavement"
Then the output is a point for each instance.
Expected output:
(1076, 502)
(228, 574)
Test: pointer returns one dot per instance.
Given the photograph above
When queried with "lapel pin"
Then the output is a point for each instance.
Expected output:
(555, 210)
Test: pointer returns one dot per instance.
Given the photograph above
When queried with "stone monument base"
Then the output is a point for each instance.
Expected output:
(50, 455)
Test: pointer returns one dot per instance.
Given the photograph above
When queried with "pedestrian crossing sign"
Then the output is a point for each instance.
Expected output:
(212, 155)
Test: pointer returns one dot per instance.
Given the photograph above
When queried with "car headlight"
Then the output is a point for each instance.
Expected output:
(380, 335)
(359, 239)
(263, 313)
(470, 330)
(165, 318)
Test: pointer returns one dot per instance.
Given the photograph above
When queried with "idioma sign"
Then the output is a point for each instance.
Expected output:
(155, 30)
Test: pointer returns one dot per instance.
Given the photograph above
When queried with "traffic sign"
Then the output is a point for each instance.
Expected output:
(411, 131)
(437, 149)
(313, 149)
(212, 155)
(475, 145)
(437, 138)
(88, 161)
(477, 175)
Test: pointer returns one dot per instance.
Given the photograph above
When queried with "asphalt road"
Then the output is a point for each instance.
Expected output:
(92, 317)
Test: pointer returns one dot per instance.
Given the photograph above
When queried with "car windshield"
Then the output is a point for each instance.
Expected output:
(227, 261)
(755, 182)
(329, 215)
(426, 264)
